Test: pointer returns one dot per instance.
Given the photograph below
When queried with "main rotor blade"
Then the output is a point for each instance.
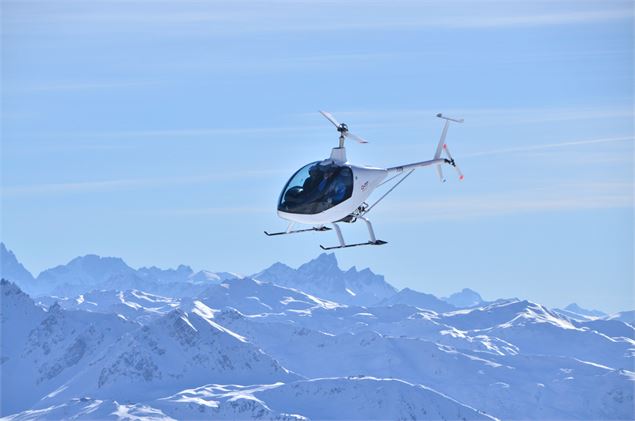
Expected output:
(330, 118)
(355, 137)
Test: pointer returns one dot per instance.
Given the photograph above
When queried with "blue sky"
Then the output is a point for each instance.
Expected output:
(162, 132)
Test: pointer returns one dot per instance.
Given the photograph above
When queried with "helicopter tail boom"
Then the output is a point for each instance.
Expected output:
(414, 165)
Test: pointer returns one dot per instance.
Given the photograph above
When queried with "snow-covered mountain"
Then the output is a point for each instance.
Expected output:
(43, 349)
(131, 304)
(250, 296)
(169, 354)
(89, 270)
(624, 316)
(19, 315)
(93, 273)
(438, 355)
(350, 398)
(323, 277)
(421, 300)
(315, 342)
(466, 298)
(577, 313)
(183, 273)
(51, 356)
(612, 327)
(574, 308)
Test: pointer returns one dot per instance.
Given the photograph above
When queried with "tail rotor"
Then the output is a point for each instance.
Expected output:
(442, 147)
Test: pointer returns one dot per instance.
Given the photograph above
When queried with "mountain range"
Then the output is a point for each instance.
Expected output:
(111, 342)
(92, 272)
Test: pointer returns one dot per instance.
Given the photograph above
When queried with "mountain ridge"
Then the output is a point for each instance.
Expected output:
(289, 352)
(320, 276)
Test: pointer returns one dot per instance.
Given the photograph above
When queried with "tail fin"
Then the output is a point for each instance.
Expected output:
(442, 146)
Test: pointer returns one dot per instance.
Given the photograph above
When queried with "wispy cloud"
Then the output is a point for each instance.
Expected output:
(66, 86)
(195, 132)
(227, 210)
(304, 16)
(127, 184)
(482, 117)
(494, 116)
(539, 19)
(562, 198)
(231, 63)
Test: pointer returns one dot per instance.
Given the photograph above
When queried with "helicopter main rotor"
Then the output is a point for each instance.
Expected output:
(342, 129)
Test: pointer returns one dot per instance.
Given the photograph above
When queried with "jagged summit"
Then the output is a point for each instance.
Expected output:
(325, 262)
(323, 278)
(166, 275)
(574, 308)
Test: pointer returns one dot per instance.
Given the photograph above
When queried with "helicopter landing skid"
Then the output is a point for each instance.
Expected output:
(270, 234)
(372, 242)
(368, 243)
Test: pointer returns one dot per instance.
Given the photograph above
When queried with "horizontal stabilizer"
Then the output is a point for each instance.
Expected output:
(456, 120)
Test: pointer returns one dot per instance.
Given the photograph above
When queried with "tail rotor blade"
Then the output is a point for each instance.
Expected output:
(440, 173)
(447, 151)
(456, 167)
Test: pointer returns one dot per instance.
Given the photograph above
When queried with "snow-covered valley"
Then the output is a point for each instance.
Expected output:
(97, 339)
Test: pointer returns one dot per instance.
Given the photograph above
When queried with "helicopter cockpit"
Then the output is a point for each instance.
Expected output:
(316, 187)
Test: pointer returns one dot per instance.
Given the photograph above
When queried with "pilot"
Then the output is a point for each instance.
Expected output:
(312, 180)
(326, 180)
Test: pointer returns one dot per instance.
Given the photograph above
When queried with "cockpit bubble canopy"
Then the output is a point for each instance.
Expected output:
(316, 187)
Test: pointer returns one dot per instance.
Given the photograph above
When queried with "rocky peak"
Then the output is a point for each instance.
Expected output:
(325, 262)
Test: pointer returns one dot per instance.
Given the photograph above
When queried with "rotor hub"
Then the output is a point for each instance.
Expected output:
(342, 128)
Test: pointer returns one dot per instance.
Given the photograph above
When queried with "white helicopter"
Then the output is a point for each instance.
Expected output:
(334, 190)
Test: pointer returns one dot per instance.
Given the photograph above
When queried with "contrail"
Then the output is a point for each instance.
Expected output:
(551, 146)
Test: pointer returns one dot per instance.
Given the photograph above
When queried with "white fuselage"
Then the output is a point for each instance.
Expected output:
(365, 180)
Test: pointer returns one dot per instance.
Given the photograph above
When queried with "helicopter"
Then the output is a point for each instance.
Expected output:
(334, 191)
